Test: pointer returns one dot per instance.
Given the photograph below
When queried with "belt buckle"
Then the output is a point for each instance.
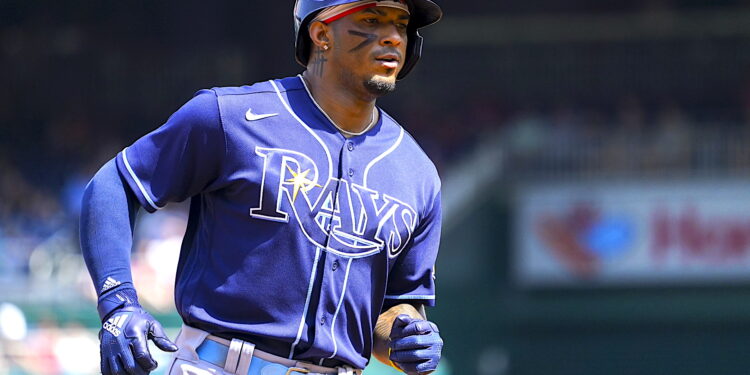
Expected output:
(297, 369)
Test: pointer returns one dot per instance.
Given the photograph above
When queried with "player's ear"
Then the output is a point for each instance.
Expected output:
(320, 35)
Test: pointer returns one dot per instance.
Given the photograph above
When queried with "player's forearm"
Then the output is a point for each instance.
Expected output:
(384, 325)
(108, 214)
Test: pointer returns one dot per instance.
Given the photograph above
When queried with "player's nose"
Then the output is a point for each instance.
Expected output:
(392, 36)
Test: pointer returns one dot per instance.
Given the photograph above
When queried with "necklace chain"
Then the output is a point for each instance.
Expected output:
(373, 120)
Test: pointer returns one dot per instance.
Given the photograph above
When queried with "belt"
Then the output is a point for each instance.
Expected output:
(215, 352)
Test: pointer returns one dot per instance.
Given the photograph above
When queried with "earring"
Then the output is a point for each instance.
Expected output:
(325, 47)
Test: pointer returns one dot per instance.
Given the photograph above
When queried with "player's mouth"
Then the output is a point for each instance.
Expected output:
(389, 60)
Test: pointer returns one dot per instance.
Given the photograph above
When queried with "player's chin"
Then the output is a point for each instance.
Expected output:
(380, 84)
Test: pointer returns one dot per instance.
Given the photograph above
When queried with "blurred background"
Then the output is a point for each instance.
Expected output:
(595, 158)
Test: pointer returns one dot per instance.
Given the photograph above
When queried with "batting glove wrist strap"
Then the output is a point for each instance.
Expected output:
(392, 364)
(115, 300)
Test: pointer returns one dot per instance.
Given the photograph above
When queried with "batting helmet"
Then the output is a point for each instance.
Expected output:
(423, 13)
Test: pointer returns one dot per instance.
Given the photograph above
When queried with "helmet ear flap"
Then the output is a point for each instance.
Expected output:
(413, 53)
(302, 42)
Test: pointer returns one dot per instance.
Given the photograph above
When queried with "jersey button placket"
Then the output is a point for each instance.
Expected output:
(346, 160)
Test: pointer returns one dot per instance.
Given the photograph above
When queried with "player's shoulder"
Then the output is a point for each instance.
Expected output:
(262, 96)
(410, 152)
(273, 86)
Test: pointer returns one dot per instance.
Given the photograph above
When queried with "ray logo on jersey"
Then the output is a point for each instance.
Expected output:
(361, 221)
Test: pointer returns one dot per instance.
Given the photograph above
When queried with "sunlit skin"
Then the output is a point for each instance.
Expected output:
(367, 46)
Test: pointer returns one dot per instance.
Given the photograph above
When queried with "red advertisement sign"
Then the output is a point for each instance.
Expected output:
(635, 233)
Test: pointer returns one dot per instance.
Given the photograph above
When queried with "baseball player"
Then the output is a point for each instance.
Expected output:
(314, 217)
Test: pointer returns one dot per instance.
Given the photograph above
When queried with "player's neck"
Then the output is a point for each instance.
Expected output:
(349, 111)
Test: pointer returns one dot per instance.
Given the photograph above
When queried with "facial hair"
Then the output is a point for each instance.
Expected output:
(379, 87)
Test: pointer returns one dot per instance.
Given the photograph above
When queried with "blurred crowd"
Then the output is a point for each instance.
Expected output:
(48, 346)
(50, 282)
(631, 141)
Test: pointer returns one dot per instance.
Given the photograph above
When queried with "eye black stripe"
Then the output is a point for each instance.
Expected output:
(369, 38)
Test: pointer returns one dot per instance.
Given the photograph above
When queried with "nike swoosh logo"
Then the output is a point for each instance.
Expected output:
(250, 116)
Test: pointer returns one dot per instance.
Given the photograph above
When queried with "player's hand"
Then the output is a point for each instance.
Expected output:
(123, 342)
(415, 345)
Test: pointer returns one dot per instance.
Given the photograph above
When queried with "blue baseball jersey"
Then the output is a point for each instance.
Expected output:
(297, 236)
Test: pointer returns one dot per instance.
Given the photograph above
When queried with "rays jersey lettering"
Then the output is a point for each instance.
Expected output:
(344, 218)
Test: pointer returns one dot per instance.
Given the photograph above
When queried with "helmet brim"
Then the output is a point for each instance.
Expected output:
(424, 13)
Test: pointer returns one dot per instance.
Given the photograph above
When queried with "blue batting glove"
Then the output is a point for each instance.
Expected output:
(124, 340)
(415, 345)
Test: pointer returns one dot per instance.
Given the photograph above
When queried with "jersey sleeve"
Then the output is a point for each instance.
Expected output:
(412, 277)
(179, 159)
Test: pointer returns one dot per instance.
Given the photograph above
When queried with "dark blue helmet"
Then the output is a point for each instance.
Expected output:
(423, 13)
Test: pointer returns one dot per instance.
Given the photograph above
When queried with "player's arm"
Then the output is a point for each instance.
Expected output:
(404, 339)
(108, 215)
(178, 160)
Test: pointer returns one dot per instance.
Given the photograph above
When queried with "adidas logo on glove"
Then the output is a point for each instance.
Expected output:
(114, 324)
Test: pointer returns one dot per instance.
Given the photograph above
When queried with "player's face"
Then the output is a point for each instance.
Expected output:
(371, 46)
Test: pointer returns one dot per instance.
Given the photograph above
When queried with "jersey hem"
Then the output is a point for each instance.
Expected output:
(427, 300)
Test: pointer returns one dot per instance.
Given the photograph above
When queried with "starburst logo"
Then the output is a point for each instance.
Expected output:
(300, 182)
